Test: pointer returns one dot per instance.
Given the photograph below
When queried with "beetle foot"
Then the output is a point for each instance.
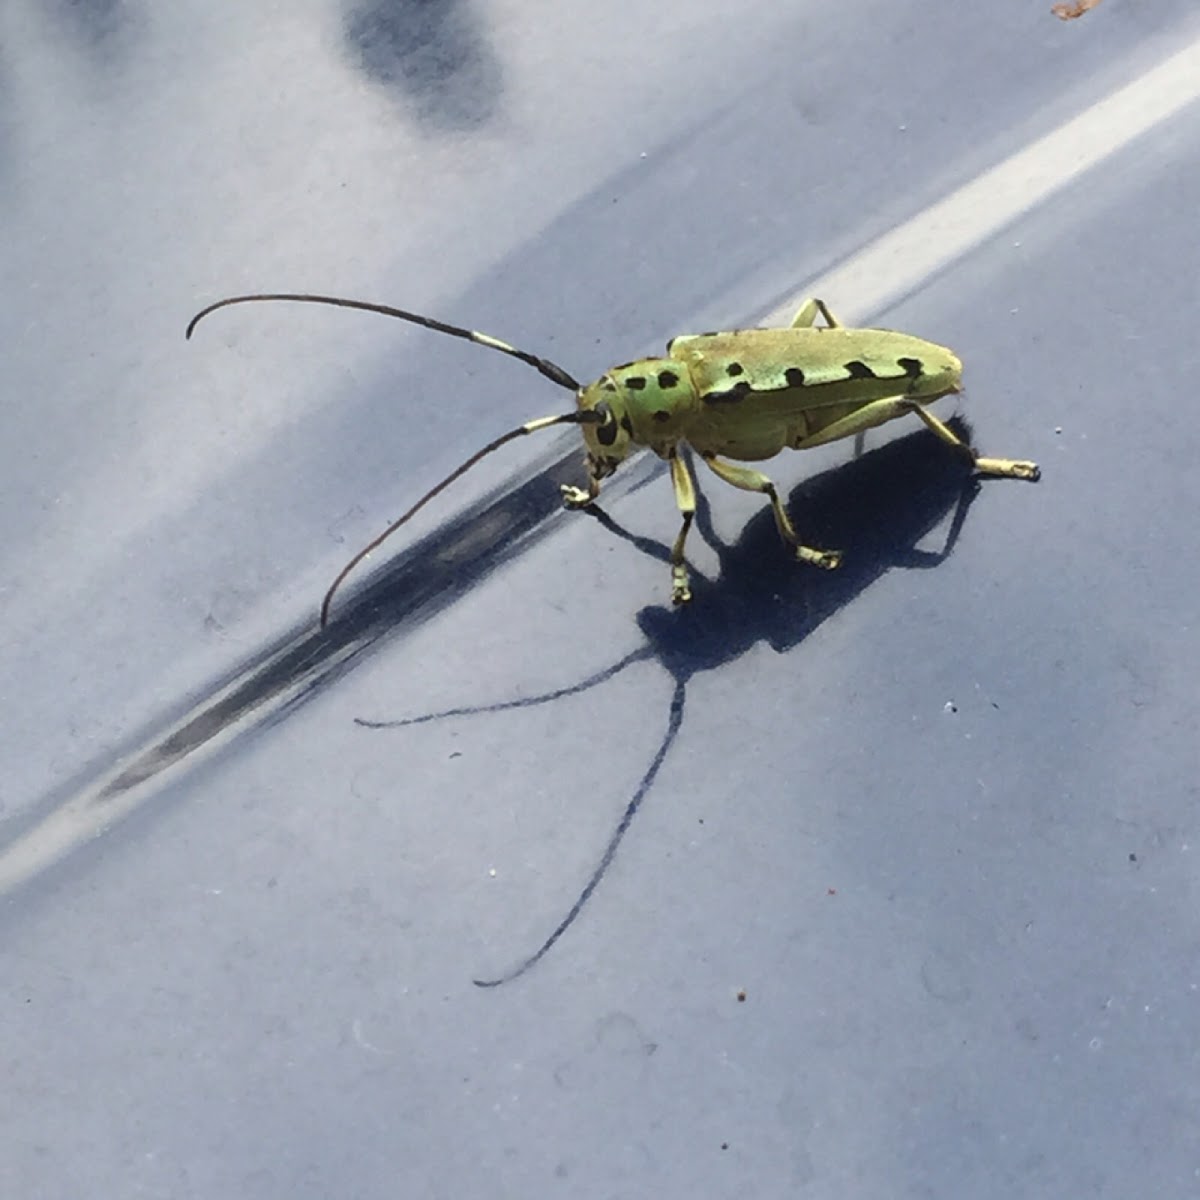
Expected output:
(1009, 468)
(827, 560)
(681, 591)
(576, 497)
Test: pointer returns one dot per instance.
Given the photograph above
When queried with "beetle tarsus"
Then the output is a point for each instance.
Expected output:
(827, 560)
(1008, 468)
(576, 497)
(681, 592)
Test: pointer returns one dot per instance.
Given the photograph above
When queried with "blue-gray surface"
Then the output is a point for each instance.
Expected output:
(939, 824)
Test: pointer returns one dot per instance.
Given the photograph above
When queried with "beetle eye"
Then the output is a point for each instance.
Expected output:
(606, 431)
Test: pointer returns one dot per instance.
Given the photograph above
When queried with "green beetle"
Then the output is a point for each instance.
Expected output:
(743, 395)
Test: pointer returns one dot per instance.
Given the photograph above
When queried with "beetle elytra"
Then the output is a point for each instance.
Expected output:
(744, 395)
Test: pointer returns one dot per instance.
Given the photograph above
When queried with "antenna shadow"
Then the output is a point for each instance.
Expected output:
(877, 509)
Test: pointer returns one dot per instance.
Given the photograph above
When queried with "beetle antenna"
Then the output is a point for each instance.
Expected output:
(550, 370)
(587, 417)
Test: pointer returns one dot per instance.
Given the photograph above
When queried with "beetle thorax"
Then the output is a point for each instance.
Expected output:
(657, 395)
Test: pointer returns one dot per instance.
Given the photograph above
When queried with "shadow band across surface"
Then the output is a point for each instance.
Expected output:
(396, 598)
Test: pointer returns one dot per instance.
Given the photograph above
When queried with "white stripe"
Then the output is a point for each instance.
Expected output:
(900, 260)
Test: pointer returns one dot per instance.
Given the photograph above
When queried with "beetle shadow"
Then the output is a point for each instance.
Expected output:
(877, 509)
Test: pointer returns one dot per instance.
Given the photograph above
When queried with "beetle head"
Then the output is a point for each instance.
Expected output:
(608, 434)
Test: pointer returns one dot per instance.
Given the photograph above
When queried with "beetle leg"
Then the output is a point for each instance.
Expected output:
(755, 481)
(685, 498)
(877, 412)
(880, 411)
(806, 316)
(1007, 468)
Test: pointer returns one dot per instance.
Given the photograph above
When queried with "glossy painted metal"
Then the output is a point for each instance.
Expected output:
(934, 814)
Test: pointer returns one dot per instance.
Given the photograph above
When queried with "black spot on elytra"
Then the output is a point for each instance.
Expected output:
(667, 379)
(627, 424)
(794, 377)
(911, 367)
(608, 386)
(662, 415)
(734, 369)
(732, 396)
(637, 382)
(858, 370)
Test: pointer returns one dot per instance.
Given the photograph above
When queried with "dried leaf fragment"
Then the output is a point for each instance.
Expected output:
(1068, 12)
